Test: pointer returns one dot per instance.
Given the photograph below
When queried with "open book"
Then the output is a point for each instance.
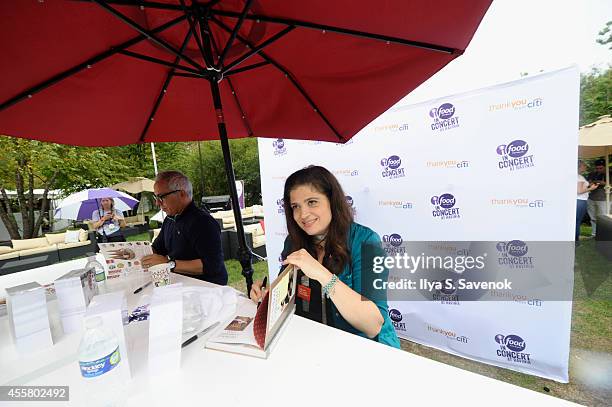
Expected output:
(253, 330)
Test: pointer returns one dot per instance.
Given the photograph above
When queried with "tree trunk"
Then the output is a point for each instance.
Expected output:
(23, 208)
(31, 202)
(8, 218)
(45, 202)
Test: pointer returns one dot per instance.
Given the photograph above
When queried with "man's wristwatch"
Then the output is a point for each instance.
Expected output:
(172, 264)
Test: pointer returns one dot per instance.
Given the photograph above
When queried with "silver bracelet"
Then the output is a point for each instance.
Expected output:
(328, 289)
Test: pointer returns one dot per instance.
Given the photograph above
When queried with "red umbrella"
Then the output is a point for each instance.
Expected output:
(106, 73)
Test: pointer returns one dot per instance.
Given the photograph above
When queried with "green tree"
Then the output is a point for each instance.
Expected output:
(595, 95)
(605, 35)
(139, 158)
(30, 164)
(245, 158)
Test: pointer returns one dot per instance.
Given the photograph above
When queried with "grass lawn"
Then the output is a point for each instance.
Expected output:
(591, 337)
(141, 237)
(591, 332)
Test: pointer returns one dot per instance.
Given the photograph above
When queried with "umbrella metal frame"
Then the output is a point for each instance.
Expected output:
(200, 16)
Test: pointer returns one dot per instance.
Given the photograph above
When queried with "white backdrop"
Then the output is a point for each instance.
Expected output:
(398, 168)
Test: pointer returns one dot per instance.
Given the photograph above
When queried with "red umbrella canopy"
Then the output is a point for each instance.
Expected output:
(104, 73)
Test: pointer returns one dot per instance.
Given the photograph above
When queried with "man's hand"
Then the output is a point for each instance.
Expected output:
(153, 260)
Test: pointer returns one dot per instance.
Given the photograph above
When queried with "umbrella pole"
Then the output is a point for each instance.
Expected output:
(245, 256)
(154, 158)
(607, 180)
(201, 169)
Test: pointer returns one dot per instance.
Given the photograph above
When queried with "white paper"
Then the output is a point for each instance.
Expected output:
(165, 329)
(28, 317)
(240, 328)
(74, 292)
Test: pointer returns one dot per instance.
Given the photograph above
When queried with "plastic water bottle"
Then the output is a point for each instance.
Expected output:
(99, 271)
(100, 364)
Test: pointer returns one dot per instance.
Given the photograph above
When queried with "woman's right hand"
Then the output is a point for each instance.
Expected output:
(257, 293)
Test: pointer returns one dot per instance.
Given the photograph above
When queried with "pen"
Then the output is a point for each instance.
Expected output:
(263, 285)
(199, 335)
(142, 288)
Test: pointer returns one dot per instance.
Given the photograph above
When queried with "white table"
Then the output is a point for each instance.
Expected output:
(336, 366)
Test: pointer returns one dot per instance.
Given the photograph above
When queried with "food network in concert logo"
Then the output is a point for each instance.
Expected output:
(513, 254)
(446, 294)
(444, 207)
(392, 167)
(280, 206)
(279, 147)
(396, 318)
(392, 244)
(511, 347)
(444, 117)
(514, 156)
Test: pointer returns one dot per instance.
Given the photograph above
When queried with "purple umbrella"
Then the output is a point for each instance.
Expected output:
(80, 205)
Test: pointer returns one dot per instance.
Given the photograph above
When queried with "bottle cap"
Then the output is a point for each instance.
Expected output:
(93, 322)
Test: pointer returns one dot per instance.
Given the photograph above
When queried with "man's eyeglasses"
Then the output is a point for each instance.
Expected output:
(161, 197)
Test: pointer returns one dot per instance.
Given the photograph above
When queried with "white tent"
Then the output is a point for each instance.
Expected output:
(595, 140)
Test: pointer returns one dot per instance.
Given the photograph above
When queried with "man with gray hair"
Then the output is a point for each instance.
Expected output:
(190, 239)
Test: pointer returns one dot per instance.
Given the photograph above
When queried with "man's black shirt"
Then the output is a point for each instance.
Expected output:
(598, 194)
(194, 234)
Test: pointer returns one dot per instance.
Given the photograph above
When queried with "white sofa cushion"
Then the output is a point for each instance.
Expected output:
(38, 250)
(73, 244)
(72, 236)
(6, 249)
(259, 241)
(255, 229)
(155, 234)
(83, 235)
(54, 238)
(258, 210)
(30, 243)
(8, 256)
(223, 214)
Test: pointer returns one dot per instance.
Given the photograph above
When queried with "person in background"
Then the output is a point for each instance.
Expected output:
(326, 245)
(189, 239)
(583, 193)
(108, 222)
(596, 204)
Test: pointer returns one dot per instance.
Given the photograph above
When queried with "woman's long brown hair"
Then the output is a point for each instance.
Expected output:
(112, 208)
(337, 252)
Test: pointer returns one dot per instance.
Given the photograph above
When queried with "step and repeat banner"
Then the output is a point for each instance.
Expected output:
(496, 166)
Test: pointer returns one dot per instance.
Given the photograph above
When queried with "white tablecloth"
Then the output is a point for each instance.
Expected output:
(312, 364)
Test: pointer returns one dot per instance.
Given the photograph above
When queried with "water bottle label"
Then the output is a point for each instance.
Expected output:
(99, 367)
